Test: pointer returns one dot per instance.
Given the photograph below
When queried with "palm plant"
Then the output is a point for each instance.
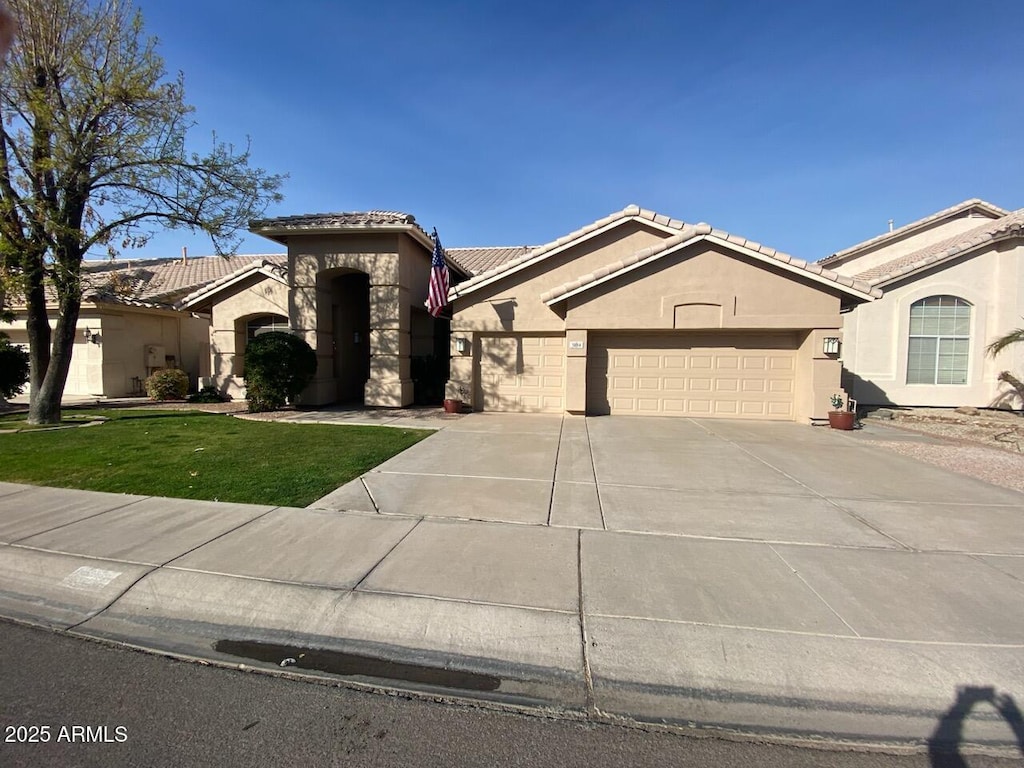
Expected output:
(1013, 337)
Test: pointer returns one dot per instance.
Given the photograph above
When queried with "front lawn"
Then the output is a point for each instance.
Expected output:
(193, 455)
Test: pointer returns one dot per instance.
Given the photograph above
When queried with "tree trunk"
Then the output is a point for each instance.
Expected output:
(44, 403)
(1014, 382)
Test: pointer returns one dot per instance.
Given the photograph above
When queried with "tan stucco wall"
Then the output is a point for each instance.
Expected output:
(876, 334)
(513, 303)
(106, 369)
(260, 295)
(398, 269)
(703, 287)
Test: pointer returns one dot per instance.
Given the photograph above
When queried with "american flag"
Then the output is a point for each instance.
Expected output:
(437, 295)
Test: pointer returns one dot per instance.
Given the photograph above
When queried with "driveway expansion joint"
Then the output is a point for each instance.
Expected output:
(385, 556)
(588, 676)
(816, 593)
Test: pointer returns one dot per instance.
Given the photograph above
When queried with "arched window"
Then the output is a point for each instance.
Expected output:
(263, 324)
(940, 341)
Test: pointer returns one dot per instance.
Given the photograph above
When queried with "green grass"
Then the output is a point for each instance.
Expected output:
(194, 455)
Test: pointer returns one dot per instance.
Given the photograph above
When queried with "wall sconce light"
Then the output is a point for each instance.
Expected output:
(830, 345)
(87, 333)
(461, 345)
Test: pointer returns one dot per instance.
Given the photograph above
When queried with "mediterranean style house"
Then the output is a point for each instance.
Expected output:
(636, 313)
(641, 314)
(951, 283)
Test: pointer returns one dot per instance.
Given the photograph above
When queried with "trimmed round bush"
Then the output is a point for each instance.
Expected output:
(278, 366)
(14, 368)
(167, 384)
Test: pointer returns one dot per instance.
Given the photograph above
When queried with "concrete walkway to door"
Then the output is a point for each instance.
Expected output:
(768, 577)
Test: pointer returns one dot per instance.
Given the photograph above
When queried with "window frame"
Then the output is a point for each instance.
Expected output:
(953, 343)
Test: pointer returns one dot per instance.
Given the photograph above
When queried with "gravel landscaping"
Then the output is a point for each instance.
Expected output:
(987, 445)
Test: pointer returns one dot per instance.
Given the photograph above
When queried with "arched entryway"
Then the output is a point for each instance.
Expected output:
(350, 329)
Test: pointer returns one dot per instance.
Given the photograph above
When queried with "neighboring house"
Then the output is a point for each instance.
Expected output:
(129, 325)
(641, 314)
(952, 282)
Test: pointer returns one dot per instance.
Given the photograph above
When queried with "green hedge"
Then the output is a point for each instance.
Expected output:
(278, 366)
(14, 368)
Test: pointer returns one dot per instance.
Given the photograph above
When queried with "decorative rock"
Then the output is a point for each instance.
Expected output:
(967, 410)
(881, 413)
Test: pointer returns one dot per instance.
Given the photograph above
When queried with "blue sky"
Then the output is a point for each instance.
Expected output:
(802, 125)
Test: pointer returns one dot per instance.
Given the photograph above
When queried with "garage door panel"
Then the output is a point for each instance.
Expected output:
(523, 373)
(733, 377)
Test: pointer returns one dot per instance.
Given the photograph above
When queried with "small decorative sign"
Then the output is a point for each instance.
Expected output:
(576, 345)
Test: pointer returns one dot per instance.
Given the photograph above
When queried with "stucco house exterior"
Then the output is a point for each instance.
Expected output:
(951, 283)
(636, 313)
(130, 323)
(641, 314)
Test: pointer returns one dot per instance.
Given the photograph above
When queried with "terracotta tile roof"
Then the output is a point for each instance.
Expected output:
(473, 261)
(276, 268)
(960, 208)
(536, 254)
(1011, 225)
(159, 282)
(691, 233)
(342, 220)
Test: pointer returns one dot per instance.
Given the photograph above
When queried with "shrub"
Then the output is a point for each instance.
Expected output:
(167, 384)
(208, 394)
(278, 366)
(14, 368)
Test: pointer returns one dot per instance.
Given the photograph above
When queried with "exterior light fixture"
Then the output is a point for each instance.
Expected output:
(461, 345)
(87, 333)
(831, 345)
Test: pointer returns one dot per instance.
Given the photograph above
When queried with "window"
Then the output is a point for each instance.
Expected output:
(940, 342)
(265, 323)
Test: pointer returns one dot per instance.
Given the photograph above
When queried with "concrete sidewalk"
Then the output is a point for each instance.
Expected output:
(769, 578)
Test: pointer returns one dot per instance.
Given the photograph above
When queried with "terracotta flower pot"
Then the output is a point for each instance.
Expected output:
(452, 406)
(842, 419)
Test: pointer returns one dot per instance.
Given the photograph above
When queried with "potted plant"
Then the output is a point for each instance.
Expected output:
(454, 404)
(839, 417)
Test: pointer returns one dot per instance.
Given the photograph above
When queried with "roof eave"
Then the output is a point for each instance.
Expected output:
(500, 274)
(280, 234)
(868, 293)
(208, 291)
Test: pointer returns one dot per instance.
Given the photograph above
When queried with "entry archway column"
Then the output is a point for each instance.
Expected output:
(390, 383)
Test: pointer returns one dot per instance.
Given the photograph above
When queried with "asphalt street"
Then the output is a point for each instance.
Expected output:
(132, 708)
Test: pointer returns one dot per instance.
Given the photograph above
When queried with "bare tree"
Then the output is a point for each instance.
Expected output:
(93, 158)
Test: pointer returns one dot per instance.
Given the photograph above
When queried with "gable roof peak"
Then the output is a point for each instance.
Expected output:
(993, 211)
(630, 212)
(1009, 226)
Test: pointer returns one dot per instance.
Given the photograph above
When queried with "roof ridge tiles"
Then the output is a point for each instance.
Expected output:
(990, 231)
(961, 207)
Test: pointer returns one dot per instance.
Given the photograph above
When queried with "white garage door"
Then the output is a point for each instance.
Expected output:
(523, 373)
(742, 376)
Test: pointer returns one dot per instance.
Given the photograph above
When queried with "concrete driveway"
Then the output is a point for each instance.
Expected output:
(744, 480)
